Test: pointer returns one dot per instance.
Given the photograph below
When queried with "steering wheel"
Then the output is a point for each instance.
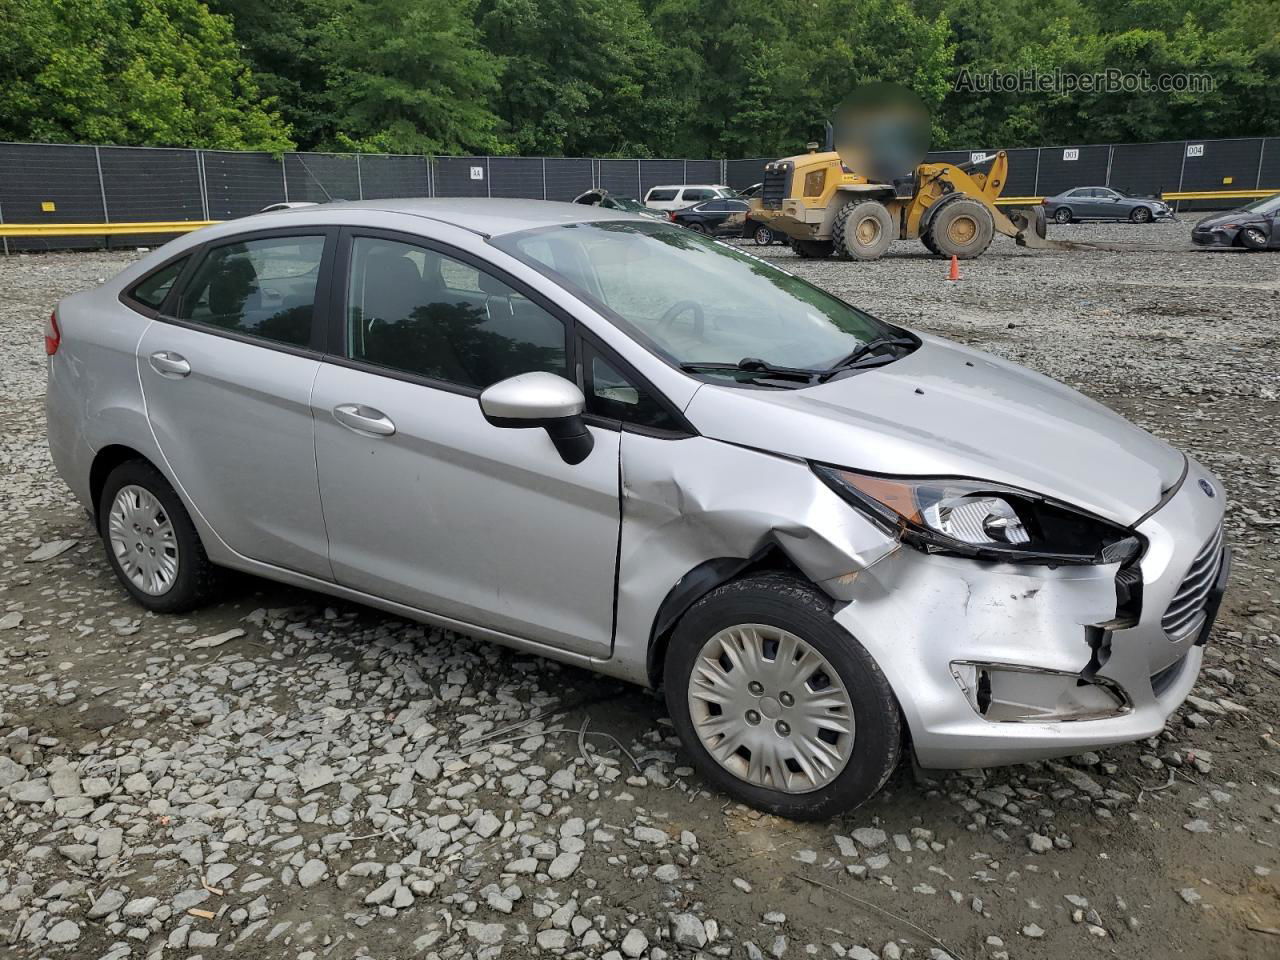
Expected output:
(680, 306)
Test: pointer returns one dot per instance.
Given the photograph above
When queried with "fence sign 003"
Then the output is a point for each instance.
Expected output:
(1071, 153)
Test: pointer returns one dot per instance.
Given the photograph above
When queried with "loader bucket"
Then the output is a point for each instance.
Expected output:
(1031, 226)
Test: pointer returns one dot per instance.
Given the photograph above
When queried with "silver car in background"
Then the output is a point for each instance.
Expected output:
(618, 444)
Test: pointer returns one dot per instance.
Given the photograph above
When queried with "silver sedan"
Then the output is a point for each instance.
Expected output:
(613, 442)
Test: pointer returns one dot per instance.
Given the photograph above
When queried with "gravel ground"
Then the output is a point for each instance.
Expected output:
(282, 775)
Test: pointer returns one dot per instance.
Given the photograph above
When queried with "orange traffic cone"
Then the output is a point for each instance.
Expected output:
(954, 273)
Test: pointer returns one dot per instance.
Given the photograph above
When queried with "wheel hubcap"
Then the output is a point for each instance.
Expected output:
(143, 540)
(771, 709)
(868, 231)
(963, 229)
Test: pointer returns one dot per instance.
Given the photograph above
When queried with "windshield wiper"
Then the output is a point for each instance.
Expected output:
(757, 366)
(864, 350)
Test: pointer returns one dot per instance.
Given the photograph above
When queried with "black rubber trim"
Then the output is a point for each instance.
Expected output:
(1168, 495)
(1214, 603)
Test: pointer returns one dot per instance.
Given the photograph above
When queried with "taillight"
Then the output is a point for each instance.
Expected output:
(671, 215)
(52, 335)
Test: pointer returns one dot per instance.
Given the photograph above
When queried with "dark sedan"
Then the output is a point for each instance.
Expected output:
(1255, 226)
(724, 218)
(1103, 203)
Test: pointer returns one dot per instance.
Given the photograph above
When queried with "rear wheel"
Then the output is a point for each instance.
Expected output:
(862, 231)
(1062, 215)
(778, 705)
(697, 227)
(1140, 215)
(812, 249)
(151, 542)
(962, 228)
(1253, 238)
(762, 236)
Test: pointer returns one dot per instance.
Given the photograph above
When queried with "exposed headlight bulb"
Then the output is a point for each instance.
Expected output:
(977, 519)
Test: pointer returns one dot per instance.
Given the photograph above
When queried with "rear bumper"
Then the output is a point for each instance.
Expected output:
(928, 619)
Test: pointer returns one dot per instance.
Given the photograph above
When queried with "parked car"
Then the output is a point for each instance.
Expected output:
(725, 218)
(615, 443)
(1255, 226)
(1103, 203)
(751, 191)
(673, 197)
(286, 205)
(721, 217)
(603, 198)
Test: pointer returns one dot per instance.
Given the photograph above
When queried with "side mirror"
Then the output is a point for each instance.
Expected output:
(544, 400)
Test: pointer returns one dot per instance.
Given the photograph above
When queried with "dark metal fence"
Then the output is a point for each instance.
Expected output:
(72, 184)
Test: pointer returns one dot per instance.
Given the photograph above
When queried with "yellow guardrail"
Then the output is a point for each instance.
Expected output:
(101, 229)
(186, 226)
(1172, 195)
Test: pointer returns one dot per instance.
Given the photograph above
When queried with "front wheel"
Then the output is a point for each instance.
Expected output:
(152, 545)
(778, 705)
(1253, 238)
(812, 249)
(1140, 215)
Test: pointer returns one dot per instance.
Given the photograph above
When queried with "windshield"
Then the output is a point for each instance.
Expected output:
(1265, 205)
(626, 203)
(695, 300)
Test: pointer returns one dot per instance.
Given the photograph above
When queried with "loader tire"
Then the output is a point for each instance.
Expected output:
(812, 249)
(962, 228)
(862, 231)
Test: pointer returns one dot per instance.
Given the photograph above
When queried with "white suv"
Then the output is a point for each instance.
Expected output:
(679, 196)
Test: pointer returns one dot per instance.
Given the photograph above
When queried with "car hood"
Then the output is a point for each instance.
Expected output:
(947, 410)
(1231, 216)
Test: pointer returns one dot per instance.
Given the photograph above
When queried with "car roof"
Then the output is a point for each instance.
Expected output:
(489, 217)
(690, 186)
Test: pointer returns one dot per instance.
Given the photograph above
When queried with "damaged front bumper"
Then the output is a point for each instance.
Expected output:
(1000, 663)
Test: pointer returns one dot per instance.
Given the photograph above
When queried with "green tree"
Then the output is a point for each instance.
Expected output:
(148, 72)
(579, 77)
(412, 78)
(286, 43)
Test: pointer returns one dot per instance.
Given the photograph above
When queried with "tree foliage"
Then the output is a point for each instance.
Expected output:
(619, 77)
(129, 71)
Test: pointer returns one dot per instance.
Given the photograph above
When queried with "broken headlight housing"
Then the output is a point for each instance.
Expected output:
(986, 521)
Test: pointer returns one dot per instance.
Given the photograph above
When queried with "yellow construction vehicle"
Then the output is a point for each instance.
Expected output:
(825, 208)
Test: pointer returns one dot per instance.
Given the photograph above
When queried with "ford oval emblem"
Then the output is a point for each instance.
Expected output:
(1207, 487)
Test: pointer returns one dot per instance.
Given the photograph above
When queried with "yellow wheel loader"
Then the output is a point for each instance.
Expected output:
(825, 208)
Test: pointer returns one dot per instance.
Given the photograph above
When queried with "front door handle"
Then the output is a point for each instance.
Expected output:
(362, 419)
(170, 364)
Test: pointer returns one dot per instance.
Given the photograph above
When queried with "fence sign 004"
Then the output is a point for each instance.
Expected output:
(1195, 149)
(1071, 153)
(477, 173)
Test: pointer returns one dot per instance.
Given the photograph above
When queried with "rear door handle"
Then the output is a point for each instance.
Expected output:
(362, 419)
(170, 364)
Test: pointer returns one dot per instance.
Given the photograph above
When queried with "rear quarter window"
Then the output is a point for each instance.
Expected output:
(151, 290)
(662, 195)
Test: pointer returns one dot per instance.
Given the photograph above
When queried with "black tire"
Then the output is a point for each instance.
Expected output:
(1062, 215)
(862, 231)
(962, 228)
(762, 236)
(1140, 215)
(812, 249)
(1253, 238)
(197, 580)
(697, 227)
(782, 600)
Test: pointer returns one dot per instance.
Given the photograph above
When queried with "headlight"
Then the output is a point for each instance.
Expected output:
(987, 521)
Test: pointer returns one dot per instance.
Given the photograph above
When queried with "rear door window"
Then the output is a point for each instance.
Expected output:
(698, 193)
(262, 288)
(662, 194)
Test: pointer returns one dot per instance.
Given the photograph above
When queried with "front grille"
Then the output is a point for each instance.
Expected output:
(1189, 602)
(774, 190)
